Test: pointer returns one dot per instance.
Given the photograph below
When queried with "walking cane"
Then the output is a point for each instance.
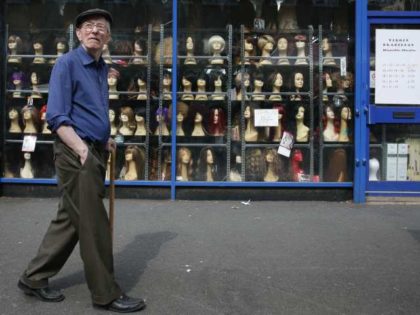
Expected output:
(112, 193)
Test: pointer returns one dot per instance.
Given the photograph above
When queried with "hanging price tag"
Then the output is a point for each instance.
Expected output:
(29, 143)
(286, 144)
(343, 66)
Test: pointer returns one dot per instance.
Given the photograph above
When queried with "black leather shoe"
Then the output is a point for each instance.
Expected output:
(124, 304)
(45, 294)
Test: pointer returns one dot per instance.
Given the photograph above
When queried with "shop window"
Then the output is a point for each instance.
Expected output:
(139, 83)
(291, 60)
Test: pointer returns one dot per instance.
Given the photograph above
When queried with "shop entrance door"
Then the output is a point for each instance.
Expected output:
(393, 106)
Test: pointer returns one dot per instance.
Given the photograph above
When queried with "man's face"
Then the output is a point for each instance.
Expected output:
(94, 34)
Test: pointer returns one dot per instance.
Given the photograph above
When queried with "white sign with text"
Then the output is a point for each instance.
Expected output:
(397, 75)
(266, 118)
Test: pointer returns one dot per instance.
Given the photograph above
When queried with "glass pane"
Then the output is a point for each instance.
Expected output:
(139, 79)
(287, 60)
(394, 5)
(395, 153)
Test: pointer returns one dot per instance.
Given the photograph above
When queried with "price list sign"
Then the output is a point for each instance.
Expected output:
(397, 76)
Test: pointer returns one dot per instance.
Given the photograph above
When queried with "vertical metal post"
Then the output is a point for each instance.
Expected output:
(174, 95)
(311, 100)
(149, 83)
(229, 103)
(243, 98)
(321, 105)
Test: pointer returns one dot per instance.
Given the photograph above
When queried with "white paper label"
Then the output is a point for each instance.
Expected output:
(266, 118)
(343, 66)
(29, 143)
(397, 67)
(372, 79)
(286, 144)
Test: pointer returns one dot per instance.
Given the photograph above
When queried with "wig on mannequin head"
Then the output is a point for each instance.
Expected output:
(138, 158)
(203, 165)
(217, 128)
(182, 153)
(255, 167)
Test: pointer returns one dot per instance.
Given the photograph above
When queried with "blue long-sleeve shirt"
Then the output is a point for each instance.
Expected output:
(78, 96)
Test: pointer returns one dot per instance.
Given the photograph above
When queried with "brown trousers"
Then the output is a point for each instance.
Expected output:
(81, 217)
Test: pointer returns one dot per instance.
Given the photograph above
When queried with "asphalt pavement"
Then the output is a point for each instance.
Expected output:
(229, 257)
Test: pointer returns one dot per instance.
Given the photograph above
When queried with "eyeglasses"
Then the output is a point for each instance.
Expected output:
(101, 28)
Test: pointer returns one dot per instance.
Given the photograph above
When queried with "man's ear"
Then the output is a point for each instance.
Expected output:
(78, 34)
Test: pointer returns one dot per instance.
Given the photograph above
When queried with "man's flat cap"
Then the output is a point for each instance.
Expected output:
(92, 12)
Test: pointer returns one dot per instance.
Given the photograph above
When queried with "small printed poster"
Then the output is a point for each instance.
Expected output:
(397, 75)
(266, 118)
(286, 144)
(29, 143)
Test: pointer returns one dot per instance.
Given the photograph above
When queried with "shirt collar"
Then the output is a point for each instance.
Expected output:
(86, 58)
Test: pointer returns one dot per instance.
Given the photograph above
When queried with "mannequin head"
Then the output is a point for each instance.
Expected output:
(266, 43)
(189, 44)
(35, 79)
(13, 114)
(161, 115)
(255, 166)
(167, 51)
(217, 121)
(113, 76)
(348, 81)
(135, 154)
(343, 83)
(300, 41)
(30, 114)
(249, 45)
(258, 81)
(275, 80)
(138, 47)
(167, 78)
(207, 159)
(202, 81)
(181, 112)
(298, 80)
(216, 44)
(139, 115)
(325, 45)
(196, 114)
(329, 116)
(127, 117)
(327, 81)
(246, 78)
(137, 83)
(38, 46)
(184, 160)
(272, 159)
(60, 44)
(18, 78)
(345, 113)
(298, 117)
(188, 79)
(300, 113)
(111, 115)
(14, 43)
(282, 44)
(217, 79)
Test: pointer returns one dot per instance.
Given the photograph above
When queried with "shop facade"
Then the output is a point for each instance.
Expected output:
(225, 98)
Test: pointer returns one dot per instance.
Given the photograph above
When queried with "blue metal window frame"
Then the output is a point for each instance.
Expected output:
(370, 113)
